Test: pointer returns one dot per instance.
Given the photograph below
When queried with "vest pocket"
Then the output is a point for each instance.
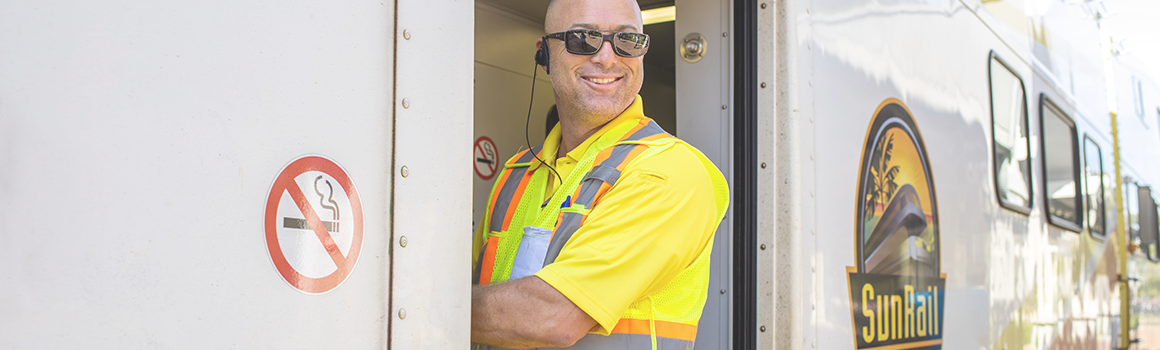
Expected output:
(530, 256)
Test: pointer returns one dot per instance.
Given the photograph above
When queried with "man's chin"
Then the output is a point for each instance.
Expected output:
(606, 106)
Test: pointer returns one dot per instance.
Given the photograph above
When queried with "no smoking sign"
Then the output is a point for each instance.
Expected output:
(486, 158)
(314, 224)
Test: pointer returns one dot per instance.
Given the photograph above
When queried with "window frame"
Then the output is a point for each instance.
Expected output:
(1148, 206)
(1046, 103)
(1102, 196)
(1025, 210)
(1132, 190)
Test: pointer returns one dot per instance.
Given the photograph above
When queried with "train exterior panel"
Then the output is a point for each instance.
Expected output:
(906, 174)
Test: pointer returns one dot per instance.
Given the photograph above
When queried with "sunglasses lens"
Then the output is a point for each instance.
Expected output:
(631, 44)
(584, 42)
(587, 42)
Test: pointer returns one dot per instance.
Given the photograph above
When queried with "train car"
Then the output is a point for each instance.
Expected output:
(905, 174)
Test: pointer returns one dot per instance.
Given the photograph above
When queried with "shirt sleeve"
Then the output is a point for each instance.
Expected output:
(658, 217)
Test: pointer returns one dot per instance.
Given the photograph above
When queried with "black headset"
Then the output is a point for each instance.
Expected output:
(542, 56)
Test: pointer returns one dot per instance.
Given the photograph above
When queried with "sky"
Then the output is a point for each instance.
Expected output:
(1135, 23)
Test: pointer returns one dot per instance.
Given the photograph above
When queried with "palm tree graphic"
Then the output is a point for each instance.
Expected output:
(882, 174)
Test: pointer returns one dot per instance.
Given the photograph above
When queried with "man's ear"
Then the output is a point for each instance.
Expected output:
(541, 57)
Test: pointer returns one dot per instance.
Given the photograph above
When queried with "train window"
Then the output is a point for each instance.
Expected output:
(1009, 131)
(1109, 178)
(1132, 204)
(1060, 167)
(1093, 175)
(1148, 224)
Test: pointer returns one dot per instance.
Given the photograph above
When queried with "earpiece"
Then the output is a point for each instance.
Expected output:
(542, 58)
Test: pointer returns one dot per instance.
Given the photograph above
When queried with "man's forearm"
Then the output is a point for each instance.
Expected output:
(525, 313)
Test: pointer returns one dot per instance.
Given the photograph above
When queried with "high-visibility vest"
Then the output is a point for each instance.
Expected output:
(664, 320)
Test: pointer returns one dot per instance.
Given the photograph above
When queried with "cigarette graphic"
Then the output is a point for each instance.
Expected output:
(323, 200)
(331, 226)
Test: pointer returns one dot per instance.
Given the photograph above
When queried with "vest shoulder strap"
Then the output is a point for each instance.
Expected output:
(610, 163)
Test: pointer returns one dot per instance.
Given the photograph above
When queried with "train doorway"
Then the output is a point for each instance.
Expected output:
(687, 92)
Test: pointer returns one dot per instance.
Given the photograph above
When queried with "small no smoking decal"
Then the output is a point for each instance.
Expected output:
(486, 158)
(314, 224)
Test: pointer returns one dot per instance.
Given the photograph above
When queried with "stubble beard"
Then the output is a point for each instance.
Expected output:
(585, 109)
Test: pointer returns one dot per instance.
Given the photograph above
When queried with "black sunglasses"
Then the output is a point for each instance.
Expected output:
(589, 41)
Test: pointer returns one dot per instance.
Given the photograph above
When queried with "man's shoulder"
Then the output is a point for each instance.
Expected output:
(678, 163)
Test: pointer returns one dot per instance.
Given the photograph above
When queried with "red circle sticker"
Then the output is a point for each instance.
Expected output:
(486, 158)
(314, 224)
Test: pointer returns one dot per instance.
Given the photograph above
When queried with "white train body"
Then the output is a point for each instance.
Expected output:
(143, 148)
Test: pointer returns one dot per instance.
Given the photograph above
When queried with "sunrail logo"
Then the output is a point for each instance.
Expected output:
(896, 289)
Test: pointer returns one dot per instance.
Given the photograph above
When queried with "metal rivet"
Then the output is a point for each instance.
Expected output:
(763, 165)
(811, 157)
(406, 103)
(763, 328)
(762, 85)
(724, 106)
(811, 193)
(811, 306)
(722, 291)
(402, 313)
(763, 5)
(724, 34)
(404, 171)
(811, 231)
(406, 34)
(812, 269)
(403, 241)
(762, 247)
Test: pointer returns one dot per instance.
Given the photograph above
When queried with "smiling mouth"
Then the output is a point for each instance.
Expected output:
(602, 81)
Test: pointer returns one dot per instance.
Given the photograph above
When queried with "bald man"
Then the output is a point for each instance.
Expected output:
(601, 237)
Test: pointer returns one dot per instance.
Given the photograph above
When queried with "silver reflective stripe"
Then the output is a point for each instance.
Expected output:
(569, 223)
(500, 208)
(604, 173)
(648, 130)
(616, 341)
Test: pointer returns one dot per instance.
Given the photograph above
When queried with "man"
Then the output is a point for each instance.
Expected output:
(619, 214)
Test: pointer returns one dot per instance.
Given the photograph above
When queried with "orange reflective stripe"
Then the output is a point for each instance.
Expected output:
(604, 187)
(655, 137)
(665, 329)
(488, 260)
(515, 200)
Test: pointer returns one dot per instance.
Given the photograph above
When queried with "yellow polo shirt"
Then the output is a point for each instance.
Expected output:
(658, 217)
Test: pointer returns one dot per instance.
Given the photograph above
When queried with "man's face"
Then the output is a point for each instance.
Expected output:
(594, 87)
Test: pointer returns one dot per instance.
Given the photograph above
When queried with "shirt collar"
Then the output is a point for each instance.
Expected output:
(631, 116)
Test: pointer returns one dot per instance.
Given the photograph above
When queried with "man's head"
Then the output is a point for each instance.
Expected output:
(593, 88)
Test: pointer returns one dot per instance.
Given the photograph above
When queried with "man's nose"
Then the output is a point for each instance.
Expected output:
(606, 57)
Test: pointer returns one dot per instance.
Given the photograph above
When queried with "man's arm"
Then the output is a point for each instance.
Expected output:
(526, 313)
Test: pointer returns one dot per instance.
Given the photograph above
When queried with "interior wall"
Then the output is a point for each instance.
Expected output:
(659, 89)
